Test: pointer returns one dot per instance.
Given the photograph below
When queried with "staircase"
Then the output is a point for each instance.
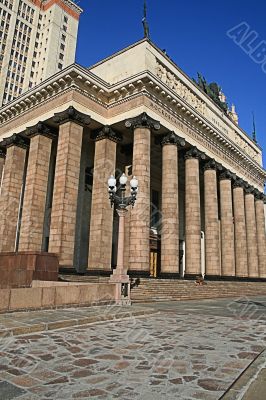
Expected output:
(151, 290)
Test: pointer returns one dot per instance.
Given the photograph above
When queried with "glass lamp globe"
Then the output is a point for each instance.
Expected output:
(134, 182)
(112, 181)
(123, 179)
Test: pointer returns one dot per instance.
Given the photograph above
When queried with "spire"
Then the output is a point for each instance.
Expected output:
(145, 22)
(254, 134)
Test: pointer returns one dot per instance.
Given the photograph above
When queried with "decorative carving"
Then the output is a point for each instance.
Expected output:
(194, 152)
(249, 189)
(227, 174)
(106, 133)
(16, 140)
(2, 152)
(180, 88)
(143, 121)
(238, 183)
(39, 129)
(71, 114)
(258, 195)
(173, 138)
(212, 164)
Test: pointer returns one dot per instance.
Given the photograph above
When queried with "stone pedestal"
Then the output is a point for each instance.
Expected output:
(227, 225)
(20, 269)
(101, 222)
(66, 185)
(212, 228)
(261, 240)
(11, 191)
(252, 246)
(240, 230)
(170, 211)
(192, 213)
(32, 222)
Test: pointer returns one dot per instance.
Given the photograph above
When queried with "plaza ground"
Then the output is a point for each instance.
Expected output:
(207, 349)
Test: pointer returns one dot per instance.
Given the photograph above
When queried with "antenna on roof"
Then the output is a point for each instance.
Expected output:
(145, 22)
(254, 134)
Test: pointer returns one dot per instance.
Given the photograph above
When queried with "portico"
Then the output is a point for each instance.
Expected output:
(200, 176)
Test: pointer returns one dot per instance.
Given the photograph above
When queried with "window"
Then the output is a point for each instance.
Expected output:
(60, 66)
(61, 56)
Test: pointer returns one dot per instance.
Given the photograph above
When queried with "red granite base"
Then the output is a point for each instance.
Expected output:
(20, 269)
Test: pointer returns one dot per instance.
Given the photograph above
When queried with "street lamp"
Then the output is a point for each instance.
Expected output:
(121, 203)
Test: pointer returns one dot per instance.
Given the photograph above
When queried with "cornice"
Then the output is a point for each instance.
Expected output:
(83, 81)
(106, 133)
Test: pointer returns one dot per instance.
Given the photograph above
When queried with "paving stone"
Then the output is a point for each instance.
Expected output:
(9, 391)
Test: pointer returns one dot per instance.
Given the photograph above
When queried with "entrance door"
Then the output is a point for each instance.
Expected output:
(155, 256)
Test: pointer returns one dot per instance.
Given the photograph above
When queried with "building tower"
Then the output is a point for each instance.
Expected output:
(37, 39)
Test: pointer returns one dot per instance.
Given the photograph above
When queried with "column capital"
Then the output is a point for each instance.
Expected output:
(106, 133)
(212, 164)
(2, 153)
(72, 115)
(16, 140)
(258, 195)
(173, 139)
(39, 129)
(238, 183)
(227, 174)
(249, 189)
(194, 152)
(143, 121)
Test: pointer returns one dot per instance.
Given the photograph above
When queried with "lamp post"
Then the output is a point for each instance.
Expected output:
(121, 203)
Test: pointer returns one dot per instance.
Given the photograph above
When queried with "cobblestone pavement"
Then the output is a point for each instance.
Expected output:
(189, 350)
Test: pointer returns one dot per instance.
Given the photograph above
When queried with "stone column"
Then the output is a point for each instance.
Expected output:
(11, 190)
(261, 239)
(212, 228)
(192, 212)
(101, 222)
(2, 163)
(139, 249)
(252, 245)
(227, 225)
(66, 184)
(241, 257)
(32, 222)
(170, 209)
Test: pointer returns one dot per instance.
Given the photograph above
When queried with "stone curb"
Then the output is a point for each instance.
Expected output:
(49, 326)
(241, 385)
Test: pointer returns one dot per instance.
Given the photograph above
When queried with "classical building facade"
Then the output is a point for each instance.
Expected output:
(200, 206)
(37, 39)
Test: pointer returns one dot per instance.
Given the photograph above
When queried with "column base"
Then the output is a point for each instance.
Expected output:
(139, 274)
(234, 278)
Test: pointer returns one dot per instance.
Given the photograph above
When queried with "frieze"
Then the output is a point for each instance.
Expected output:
(206, 141)
(171, 80)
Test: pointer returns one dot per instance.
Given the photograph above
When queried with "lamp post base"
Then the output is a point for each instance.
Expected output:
(122, 281)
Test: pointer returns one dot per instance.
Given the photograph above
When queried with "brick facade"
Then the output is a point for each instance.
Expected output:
(252, 245)
(31, 232)
(192, 217)
(212, 229)
(261, 239)
(11, 196)
(227, 228)
(101, 225)
(139, 249)
(66, 184)
(240, 232)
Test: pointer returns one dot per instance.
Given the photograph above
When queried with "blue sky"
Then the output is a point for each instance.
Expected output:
(194, 34)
